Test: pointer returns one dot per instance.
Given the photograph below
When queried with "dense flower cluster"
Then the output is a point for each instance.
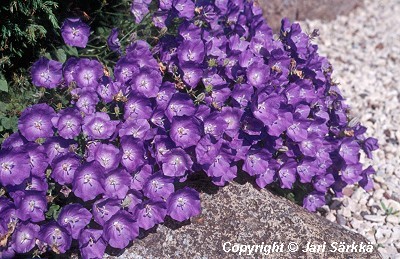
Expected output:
(220, 96)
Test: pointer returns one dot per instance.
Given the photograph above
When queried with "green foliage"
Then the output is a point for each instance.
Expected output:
(389, 210)
(53, 212)
(24, 23)
(3, 84)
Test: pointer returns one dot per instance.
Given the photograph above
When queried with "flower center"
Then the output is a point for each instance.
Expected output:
(105, 161)
(102, 210)
(135, 133)
(57, 147)
(66, 167)
(180, 7)
(88, 76)
(118, 226)
(45, 75)
(254, 159)
(71, 221)
(182, 131)
(209, 128)
(159, 121)
(87, 178)
(147, 211)
(85, 104)
(7, 166)
(308, 144)
(216, 160)
(69, 124)
(91, 241)
(241, 99)
(156, 185)
(126, 73)
(25, 237)
(261, 106)
(181, 203)
(38, 124)
(294, 127)
(133, 107)
(175, 108)
(161, 96)
(112, 181)
(188, 75)
(98, 127)
(144, 83)
(176, 161)
(190, 55)
(31, 205)
(284, 173)
(75, 32)
(256, 76)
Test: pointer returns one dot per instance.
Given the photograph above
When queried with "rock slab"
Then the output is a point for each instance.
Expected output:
(275, 10)
(241, 214)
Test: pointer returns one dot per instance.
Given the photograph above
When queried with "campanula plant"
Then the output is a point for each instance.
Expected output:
(215, 94)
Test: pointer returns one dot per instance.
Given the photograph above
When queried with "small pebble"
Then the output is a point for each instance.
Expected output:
(341, 220)
(330, 217)
(346, 212)
(335, 204)
(393, 219)
(374, 218)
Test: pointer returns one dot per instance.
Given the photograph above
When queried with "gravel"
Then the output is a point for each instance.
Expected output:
(364, 49)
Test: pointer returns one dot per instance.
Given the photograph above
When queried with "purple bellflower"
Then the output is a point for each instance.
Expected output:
(183, 204)
(75, 32)
(46, 73)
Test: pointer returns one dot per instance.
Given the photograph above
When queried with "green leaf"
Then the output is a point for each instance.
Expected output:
(101, 31)
(14, 123)
(72, 51)
(53, 211)
(47, 55)
(3, 84)
(61, 56)
(290, 196)
(6, 123)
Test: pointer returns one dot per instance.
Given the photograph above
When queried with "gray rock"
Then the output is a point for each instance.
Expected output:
(382, 235)
(346, 212)
(396, 232)
(394, 219)
(341, 220)
(355, 223)
(378, 194)
(331, 217)
(374, 218)
(358, 194)
(241, 214)
(275, 10)
(335, 204)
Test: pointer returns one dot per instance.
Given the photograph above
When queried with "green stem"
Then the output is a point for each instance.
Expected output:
(95, 47)
(128, 34)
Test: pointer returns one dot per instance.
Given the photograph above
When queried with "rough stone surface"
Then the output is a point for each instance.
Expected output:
(242, 214)
(275, 10)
